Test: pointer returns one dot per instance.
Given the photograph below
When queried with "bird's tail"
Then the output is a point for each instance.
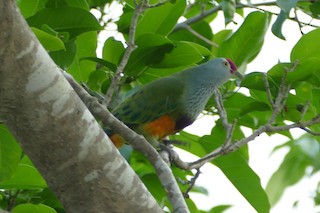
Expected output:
(116, 139)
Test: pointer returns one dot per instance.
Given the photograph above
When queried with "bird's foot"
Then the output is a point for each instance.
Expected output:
(168, 142)
(167, 153)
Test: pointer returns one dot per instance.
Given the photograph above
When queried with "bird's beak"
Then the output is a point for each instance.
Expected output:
(238, 74)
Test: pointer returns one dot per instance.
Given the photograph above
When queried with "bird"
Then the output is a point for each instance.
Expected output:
(167, 105)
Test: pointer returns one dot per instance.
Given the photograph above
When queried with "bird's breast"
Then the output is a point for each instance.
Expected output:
(161, 127)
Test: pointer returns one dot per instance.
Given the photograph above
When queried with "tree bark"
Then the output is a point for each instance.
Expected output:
(57, 131)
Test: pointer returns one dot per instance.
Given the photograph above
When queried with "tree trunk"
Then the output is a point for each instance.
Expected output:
(57, 131)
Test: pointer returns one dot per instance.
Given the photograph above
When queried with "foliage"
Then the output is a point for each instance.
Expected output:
(69, 32)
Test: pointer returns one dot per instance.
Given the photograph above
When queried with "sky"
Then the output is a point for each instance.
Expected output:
(221, 191)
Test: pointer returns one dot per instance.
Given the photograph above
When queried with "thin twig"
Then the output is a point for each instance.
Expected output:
(197, 18)
(201, 37)
(191, 183)
(305, 109)
(268, 91)
(131, 47)
(160, 3)
(310, 131)
(283, 93)
(221, 109)
(298, 21)
(230, 133)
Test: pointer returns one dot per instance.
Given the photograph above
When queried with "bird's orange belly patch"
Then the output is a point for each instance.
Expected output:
(160, 127)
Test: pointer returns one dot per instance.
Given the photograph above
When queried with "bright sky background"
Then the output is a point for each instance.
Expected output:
(221, 191)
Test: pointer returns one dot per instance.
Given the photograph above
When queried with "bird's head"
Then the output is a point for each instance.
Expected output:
(233, 68)
(212, 73)
(219, 70)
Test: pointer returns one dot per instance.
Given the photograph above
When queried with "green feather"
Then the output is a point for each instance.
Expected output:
(160, 97)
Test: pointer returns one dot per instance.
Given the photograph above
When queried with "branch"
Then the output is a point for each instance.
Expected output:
(267, 87)
(196, 18)
(215, 9)
(223, 150)
(196, 34)
(298, 21)
(223, 116)
(138, 142)
(191, 183)
(115, 83)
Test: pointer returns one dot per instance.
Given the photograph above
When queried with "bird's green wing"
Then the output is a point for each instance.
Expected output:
(157, 98)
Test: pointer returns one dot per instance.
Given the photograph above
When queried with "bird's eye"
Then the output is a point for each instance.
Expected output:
(226, 63)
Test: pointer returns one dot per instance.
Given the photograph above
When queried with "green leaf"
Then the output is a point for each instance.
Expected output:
(192, 206)
(161, 20)
(315, 9)
(229, 9)
(64, 58)
(190, 143)
(218, 209)
(294, 106)
(96, 79)
(291, 170)
(276, 28)
(153, 184)
(219, 38)
(48, 41)
(305, 71)
(151, 50)
(33, 208)
(183, 54)
(10, 154)
(96, 3)
(56, 4)
(153, 73)
(196, 9)
(247, 41)
(307, 42)
(254, 106)
(125, 20)
(86, 47)
(73, 20)
(232, 106)
(64, 36)
(25, 177)
(78, 3)
(203, 28)
(30, 7)
(254, 80)
(236, 168)
(112, 50)
(102, 62)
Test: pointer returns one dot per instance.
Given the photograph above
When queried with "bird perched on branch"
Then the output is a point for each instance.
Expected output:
(169, 104)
